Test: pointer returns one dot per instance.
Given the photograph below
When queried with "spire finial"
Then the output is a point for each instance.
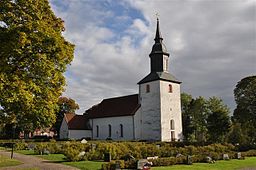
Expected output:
(158, 37)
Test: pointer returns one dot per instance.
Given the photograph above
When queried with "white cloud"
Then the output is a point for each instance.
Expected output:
(212, 45)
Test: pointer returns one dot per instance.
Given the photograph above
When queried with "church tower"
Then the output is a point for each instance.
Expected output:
(159, 95)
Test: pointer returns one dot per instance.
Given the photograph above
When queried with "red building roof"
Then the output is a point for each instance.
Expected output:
(77, 122)
(114, 107)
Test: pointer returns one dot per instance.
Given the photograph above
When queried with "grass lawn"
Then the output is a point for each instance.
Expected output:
(25, 152)
(219, 165)
(84, 165)
(5, 161)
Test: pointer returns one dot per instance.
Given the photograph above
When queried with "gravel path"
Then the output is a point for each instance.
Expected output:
(34, 162)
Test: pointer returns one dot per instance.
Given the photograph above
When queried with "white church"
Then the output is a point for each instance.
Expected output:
(154, 114)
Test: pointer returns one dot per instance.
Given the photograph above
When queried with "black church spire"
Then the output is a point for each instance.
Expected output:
(158, 37)
(159, 61)
(159, 55)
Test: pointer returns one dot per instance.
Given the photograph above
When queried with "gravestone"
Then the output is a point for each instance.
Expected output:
(81, 154)
(189, 160)
(208, 159)
(117, 165)
(141, 163)
(31, 146)
(238, 155)
(83, 141)
(93, 146)
(225, 156)
(107, 157)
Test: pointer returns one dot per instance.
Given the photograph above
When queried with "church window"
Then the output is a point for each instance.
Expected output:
(166, 64)
(97, 131)
(172, 124)
(121, 131)
(172, 136)
(109, 130)
(147, 88)
(170, 88)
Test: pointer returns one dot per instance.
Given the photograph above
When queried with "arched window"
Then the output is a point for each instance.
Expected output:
(170, 88)
(147, 88)
(121, 131)
(97, 131)
(109, 130)
(172, 124)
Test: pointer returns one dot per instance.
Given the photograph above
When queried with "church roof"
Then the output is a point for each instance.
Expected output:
(114, 107)
(77, 122)
(159, 76)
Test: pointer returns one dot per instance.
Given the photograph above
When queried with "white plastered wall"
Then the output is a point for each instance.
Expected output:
(170, 109)
(126, 121)
(150, 111)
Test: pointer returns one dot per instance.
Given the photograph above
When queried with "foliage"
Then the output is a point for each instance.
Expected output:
(112, 165)
(245, 112)
(218, 120)
(164, 161)
(34, 55)
(204, 120)
(72, 151)
(186, 117)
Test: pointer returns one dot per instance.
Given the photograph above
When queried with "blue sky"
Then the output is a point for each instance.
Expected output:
(211, 45)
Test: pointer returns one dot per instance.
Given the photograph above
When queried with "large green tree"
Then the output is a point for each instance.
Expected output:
(187, 127)
(245, 112)
(218, 120)
(204, 119)
(33, 57)
(65, 105)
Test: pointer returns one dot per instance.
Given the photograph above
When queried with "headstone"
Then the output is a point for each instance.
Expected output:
(93, 146)
(189, 160)
(152, 157)
(117, 165)
(31, 146)
(107, 157)
(208, 159)
(141, 163)
(45, 152)
(83, 141)
(81, 154)
(238, 155)
(225, 157)
(179, 155)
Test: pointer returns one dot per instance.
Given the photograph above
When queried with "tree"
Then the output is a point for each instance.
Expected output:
(245, 112)
(186, 116)
(218, 120)
(235, 135)
(198, 111)
(204, 120)
(66, 105)
(33, 57)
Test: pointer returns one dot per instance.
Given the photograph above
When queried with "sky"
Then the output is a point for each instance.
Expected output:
(212, 45)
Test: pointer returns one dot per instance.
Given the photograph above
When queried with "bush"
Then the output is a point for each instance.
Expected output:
(72, 150)
(53, 147)
(164, 161)
(40, 148)
(20, 146)
(249, 153)
(112, 165)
